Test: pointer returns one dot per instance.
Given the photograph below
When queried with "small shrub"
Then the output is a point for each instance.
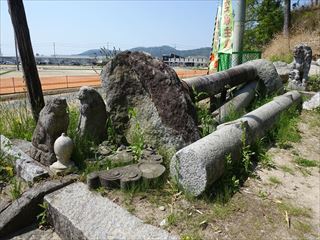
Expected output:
(205, 119)
(314, 83)
(6, 167)
(137, 139)
(171, 219)
(42, 217)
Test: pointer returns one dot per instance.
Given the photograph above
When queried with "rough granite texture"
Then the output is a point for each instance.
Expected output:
(268, 79)
(242, 98)
(93, 115)
(53, 121)
(164, 110)
(23, 211)
(26, 168)
(198, 165)
(313, 103)
(77, 213)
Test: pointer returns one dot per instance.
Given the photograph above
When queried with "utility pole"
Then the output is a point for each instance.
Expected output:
(54, 49)
(16, 49)
(239, 20)
(21, 30)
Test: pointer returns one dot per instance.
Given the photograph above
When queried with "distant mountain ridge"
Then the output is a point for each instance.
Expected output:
(158, 51)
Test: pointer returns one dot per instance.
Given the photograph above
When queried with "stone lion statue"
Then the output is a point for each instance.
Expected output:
(53, 121)
(301, 66)
(93, 115)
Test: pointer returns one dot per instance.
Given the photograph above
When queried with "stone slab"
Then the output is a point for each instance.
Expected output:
(26, 168)
(23, 211)
(77, 213)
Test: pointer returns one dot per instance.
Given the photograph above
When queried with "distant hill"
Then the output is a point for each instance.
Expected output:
(158, 51)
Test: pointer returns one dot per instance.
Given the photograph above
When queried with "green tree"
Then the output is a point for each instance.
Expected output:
(264, 18)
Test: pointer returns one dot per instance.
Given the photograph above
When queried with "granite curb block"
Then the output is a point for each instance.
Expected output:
(77, 213)
(23, 211)
(26, 168)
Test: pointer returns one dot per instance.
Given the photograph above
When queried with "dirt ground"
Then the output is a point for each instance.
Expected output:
(281, 202)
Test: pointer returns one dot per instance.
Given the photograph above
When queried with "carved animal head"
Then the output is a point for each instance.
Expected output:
(88, 95)
(57, 105)
(302, 53)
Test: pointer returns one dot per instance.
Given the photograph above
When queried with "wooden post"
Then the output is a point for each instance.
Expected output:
(20, 25)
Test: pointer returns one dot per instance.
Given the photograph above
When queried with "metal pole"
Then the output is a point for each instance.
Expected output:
(239, 19)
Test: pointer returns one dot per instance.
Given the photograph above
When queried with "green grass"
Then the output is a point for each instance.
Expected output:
(287, 169)
(302, 227)
(294, 211)
(15, 190)
(314, 83)
(222, 211)
(306, 162)
(274, 180)
(6, 167)
(287, 58)
(16, 120)
(285, 129)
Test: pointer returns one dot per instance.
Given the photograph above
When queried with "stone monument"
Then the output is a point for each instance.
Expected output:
(164, 111)
(93, 115)
(53, 121)
(298, 76)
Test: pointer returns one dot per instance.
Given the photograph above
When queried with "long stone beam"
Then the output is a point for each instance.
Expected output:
(201, 163)
(215, 83)
(238, 103)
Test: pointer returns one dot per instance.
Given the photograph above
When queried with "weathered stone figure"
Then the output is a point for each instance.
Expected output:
(93, 115)
(165, 114)
(298, 76)
(53, 121)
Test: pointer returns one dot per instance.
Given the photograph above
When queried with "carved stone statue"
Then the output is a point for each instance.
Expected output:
(298, 77)
(53, 121)
(93, 115)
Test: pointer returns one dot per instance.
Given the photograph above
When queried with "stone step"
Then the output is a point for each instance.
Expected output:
(77, 213)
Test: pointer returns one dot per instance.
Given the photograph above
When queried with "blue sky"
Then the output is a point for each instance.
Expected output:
(76, 26)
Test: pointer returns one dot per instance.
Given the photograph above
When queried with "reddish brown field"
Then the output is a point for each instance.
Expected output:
(17, 84)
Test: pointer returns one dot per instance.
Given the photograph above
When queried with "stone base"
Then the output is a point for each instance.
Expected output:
(298, 87)
(45, 158)
(58, 168)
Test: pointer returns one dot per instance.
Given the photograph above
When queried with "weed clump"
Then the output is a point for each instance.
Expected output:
(16, 120)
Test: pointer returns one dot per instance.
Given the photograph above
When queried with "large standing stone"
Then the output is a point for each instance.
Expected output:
(92, 122)
(77, 213)
(269, 81)
(53, 121)
(164, 110)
